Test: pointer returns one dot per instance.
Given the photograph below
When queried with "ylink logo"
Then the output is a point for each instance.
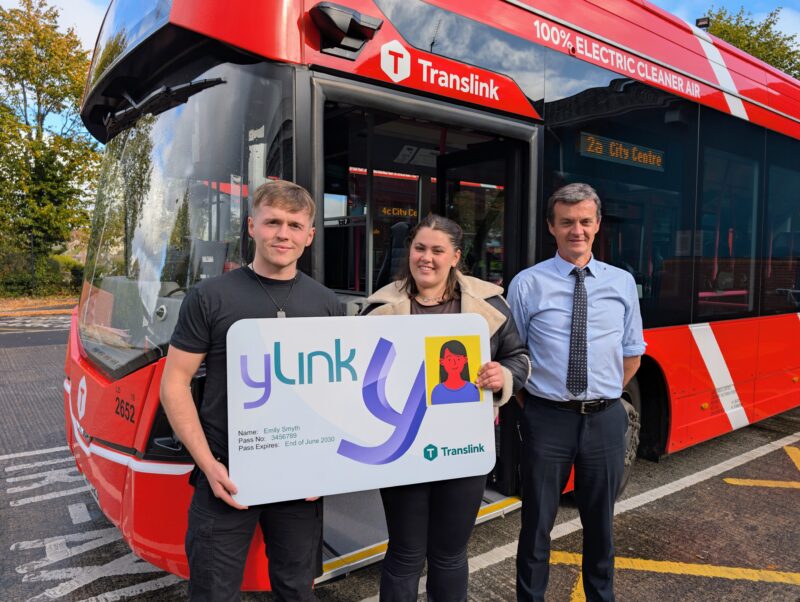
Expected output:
(304, 373)
(430, 452)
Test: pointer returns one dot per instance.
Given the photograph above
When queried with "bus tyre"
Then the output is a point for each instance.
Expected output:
(632, 402)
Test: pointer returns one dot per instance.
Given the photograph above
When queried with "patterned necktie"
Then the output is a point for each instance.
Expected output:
(576, 369)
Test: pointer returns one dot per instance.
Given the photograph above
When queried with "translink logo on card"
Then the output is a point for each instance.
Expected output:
(430, 452)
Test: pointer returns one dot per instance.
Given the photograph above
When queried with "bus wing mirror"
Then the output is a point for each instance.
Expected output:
(343, 31)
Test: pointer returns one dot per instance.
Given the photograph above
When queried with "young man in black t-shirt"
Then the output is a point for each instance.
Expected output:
(220, 530)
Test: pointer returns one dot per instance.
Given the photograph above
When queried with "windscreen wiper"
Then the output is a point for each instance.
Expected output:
(158, 101)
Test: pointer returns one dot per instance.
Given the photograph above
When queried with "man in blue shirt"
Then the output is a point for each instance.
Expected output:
(580, 320)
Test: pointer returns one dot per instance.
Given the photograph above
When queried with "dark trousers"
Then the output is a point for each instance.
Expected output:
(433, 520)
(553, 440)
(219, 536)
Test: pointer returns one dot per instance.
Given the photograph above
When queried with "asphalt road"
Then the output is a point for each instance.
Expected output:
(715, 522)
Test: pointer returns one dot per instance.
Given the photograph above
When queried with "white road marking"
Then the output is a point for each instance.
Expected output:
(16, 467)
(128, 564)
(60, 475)
(136, 590)
(49, 496)
(79, 513)
(57, 548)
(35, 452)
(509, 550)
(720, 375)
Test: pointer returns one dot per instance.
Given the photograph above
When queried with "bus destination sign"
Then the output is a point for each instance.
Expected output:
(616, 151)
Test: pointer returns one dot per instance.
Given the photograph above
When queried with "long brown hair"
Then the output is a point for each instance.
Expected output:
(456, 236)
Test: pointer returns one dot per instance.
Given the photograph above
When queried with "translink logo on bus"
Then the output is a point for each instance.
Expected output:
(396, 63)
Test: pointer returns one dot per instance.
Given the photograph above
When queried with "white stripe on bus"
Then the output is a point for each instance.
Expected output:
(135, 464)
(724, 77)
(720, 376)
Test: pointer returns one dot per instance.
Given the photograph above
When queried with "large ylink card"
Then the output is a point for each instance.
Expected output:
(319, 406)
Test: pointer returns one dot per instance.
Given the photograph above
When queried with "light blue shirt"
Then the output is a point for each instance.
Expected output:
(541, 302)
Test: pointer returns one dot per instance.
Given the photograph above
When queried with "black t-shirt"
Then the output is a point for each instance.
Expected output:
(212, 307)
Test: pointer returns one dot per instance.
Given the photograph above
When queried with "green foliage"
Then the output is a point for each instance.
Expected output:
(48, 162)
(71, 271)
(762, 39)
(21, 273)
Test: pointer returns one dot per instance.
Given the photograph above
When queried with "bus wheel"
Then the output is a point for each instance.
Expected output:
(632, 402)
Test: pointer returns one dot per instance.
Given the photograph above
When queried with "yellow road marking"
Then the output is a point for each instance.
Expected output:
(760, 483)
(794, 454)
(683, 568)
(577, 591)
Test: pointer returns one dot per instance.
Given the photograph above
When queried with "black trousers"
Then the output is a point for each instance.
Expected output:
(434, 520)
(219, 536)
(553, 440)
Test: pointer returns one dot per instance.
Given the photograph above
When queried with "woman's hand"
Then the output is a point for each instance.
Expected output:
(490, 376)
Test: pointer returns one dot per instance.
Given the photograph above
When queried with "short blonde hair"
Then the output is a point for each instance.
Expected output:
(286, 195)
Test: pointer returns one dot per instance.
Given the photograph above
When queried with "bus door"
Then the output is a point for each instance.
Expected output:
(479, 190)
(382, 160)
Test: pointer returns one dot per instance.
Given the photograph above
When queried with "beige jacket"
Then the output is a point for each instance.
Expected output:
(482, 298)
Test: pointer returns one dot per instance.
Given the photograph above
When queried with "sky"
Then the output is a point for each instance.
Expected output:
(87, 15)
(689, 10)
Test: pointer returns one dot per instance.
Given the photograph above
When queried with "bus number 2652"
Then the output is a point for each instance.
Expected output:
(127, 411)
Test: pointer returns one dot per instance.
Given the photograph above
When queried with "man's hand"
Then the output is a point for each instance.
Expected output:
(629, 367)
(490, 376)
(520, 397)
(221, 484)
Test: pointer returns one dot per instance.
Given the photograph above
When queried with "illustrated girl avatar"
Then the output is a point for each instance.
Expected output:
(454, 385)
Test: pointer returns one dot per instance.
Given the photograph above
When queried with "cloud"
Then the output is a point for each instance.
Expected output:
(789, 22)
(85, 16)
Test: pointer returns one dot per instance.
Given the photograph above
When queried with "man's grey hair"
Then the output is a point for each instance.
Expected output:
(572, 194)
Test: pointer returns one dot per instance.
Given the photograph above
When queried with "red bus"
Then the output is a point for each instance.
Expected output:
(386, 110)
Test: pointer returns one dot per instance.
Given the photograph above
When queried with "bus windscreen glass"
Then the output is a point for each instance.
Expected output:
(126, 23)
(170, 209)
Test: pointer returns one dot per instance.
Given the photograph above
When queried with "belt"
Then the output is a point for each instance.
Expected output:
(590, 406)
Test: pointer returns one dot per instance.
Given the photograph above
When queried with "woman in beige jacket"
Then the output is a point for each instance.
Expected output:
(434, 520)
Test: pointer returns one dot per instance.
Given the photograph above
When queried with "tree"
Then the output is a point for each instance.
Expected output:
(761, 39)
(48, 162)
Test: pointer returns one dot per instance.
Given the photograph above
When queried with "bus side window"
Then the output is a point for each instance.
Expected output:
(780, 273)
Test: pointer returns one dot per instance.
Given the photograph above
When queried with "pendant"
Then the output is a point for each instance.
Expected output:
(281, 313)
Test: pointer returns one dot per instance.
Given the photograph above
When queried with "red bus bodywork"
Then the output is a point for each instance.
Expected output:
(693, 363)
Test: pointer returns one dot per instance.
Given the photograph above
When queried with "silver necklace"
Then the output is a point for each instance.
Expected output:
(281, 313)
(430, 299)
